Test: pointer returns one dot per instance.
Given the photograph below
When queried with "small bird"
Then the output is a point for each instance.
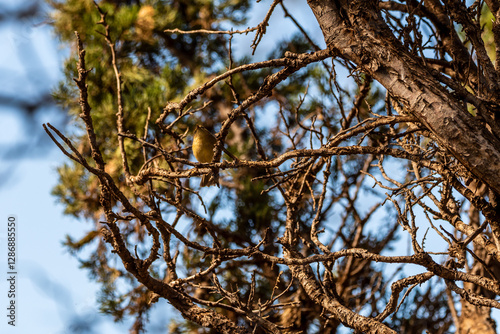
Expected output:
(203, 150)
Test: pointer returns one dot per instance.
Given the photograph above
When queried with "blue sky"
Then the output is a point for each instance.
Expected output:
(54, 295)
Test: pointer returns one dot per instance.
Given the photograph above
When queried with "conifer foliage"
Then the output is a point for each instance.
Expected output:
(361, 185)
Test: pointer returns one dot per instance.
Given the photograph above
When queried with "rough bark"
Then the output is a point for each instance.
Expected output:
(358, 32)
(305, 275)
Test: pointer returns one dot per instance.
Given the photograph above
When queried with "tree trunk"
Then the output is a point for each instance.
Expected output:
(357, 31)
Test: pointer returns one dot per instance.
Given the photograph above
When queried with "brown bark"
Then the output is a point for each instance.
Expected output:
(475, 320)
(349, 318)
(358, 32)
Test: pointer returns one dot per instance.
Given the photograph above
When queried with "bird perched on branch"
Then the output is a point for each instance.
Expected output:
(203, 149)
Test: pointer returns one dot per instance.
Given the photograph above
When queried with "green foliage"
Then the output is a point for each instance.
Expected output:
(157, 68)
(486, 22)
(258, 216)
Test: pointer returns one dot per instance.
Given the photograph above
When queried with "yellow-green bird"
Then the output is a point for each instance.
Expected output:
(203, 150)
